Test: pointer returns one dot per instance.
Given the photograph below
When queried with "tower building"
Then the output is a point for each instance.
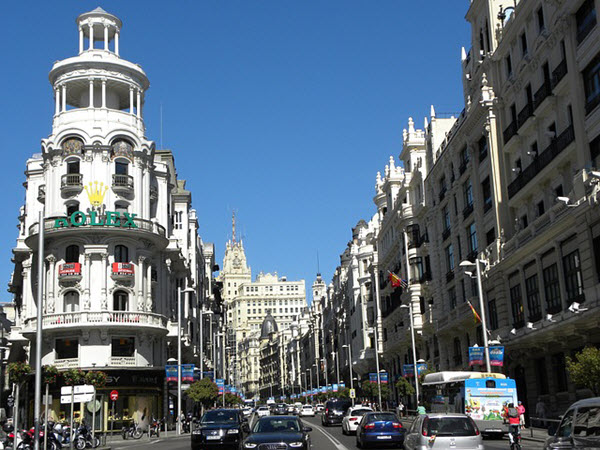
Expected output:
(120, 235)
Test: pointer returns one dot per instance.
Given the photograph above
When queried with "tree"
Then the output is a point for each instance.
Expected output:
(404, 388)
(232, 399)
(371, 391)
(585, 369)
(203, 391)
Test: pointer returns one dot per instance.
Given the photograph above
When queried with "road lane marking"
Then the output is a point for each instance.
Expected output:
(329, 436)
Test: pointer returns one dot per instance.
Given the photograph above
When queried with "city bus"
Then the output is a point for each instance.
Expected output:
(480, 395)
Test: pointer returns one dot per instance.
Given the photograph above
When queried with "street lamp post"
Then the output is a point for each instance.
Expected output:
(375, 329)
(482, 308)
(179, 291)
(350, 365)
(324, 360)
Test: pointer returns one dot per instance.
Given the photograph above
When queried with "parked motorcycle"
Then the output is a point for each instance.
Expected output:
(155, 426)
(132, 431)
(84, 438)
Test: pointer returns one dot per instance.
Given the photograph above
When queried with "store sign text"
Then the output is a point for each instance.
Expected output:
(111, 219)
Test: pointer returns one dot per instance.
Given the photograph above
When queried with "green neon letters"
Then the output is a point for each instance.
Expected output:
(112, 219)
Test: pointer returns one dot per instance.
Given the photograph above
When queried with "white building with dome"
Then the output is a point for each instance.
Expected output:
(120, 234)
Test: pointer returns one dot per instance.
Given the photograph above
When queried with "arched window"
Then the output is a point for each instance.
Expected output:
(121, 254)
(71, 301)
(120, 301)
(73, 166)
(72, 254)
(121, 168)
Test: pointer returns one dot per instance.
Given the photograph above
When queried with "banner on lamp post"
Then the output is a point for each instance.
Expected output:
(496, 356)
(409, 369)
(476, 356)
(171, 373)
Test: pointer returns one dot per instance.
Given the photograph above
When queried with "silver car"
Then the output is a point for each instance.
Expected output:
(442, 431)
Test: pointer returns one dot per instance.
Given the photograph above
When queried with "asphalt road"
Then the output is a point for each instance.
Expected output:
(322, 438)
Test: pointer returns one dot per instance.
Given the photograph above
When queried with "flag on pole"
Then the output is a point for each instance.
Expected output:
(397, 281)
(477, 318)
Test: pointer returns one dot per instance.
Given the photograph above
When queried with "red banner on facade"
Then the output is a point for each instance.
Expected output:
(122, 269)
(69, 269)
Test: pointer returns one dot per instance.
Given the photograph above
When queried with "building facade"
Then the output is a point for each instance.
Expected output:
(120, 235)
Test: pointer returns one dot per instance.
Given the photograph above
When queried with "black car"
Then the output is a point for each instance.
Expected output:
(219, 428)
(278, 432)
(280, 409)
(334, 411)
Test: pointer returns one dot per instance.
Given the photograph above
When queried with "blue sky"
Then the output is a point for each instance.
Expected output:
(282, 110)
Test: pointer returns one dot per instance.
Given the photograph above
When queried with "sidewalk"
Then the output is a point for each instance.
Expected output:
(117, 442)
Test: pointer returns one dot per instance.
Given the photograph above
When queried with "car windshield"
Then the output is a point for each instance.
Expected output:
(273, 425)
(220, 417)
(307, 407)
(381, 417)
(360, 412)
(449, 426)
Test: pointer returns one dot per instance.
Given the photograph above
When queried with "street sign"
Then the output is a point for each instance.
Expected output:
(352, 393)
(10, 401)
(114, 395)
(77, 398)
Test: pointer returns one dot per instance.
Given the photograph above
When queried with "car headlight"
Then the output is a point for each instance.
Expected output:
(295, 444)
(249, 445)
(233, 431)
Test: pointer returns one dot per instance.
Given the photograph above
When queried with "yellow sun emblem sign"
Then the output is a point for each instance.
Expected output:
(96, 192)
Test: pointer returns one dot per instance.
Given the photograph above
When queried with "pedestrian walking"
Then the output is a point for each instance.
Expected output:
(540, 411)
(521, 410)
(400, 409)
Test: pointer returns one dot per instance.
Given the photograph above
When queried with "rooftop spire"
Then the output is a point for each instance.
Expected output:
(233, 226)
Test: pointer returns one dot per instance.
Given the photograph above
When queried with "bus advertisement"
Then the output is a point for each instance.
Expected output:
(482, 396)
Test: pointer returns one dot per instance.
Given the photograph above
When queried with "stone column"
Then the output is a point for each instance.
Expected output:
(117, 42)
(104, 275)
(63, 97)
(56, 101)
(146, 199)
(149, 286)
(139, 283)
(91, 105)
(106, 37)
(87, 281)
(130, 99)
(80, 40)
(51, 284)
(104, 93)
(139, 103)
(91, 36)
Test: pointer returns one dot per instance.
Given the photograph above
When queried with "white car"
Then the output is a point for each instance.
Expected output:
(247, 411)
(353, 417)
(307, 410)
(320, 407)
(263, 411)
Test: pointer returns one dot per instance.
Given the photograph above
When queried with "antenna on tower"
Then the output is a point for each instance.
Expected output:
(161, 128)
(318, 266)
(233, 226)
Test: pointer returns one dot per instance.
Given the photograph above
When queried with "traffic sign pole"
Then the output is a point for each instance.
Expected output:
(114, 395)
(72, 430)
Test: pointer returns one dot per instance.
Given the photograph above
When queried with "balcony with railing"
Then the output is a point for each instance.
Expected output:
(62, 224)
(542, 94)
(122, 361)
(71, 183)
(122, 271)
(538, 164)
(510, 131)
(467, 211)
(446, 233)
(83, 319)
(69, 272)
(559, 73)
(66, 363)
(525, 114)
(122, 183)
